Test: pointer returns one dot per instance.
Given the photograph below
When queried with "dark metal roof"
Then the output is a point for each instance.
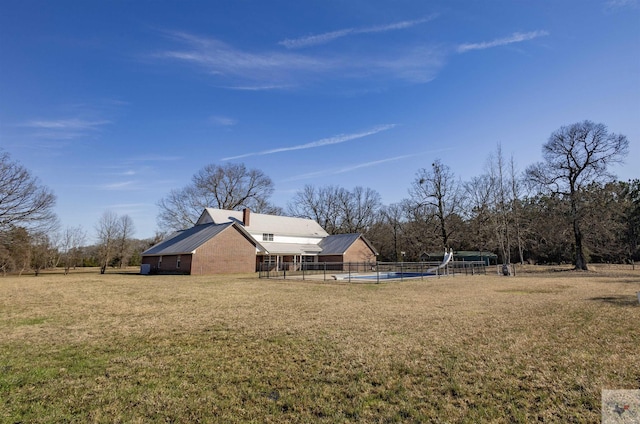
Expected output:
(338, 244)
(186, 241)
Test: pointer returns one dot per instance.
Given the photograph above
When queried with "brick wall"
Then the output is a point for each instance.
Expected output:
(169, 264)
(228, 252)
(359, 252)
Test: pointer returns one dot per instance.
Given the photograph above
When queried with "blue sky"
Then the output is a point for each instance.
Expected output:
(113, 104)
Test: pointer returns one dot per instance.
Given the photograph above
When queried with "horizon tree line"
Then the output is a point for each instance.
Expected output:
(538, 215)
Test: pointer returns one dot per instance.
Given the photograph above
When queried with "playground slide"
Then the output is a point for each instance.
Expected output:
(447, 258)
(387, 275)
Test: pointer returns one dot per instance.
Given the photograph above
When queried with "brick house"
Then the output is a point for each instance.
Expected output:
(225, 241)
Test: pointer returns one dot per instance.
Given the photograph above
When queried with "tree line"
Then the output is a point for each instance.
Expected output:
(567, 208)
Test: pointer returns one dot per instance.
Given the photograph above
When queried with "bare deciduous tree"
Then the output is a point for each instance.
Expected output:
(359, 209)
(479, 211)
(127, 229)
(43, 252)
(108, 234)
(71, 240)
(516, 208)
(337, 209)
(631, 236)
(6, 261)
(231, 186)
(319, 204)
(23, 200)
(438, 191)
(393, 218)
(574, 157)
(18, 242)
(501, 204)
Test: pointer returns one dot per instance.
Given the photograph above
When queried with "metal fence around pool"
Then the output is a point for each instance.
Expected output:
(368, 271)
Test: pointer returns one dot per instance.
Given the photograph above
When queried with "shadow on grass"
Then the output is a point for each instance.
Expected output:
(620, 300)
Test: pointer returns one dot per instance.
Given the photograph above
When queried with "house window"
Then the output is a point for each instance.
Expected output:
(159, 261)
(267, 237)
(178, 262)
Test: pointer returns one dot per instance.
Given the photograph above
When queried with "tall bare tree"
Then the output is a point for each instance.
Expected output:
(108, 233)
(479, 212)
(18, 243)
(393, 218)
(517, 188)
(501, 204)
(43, 252)
(359, 208)
(574, 157)
(126, 231)
(438, 191)
(71, 240)
(24, 201)
(318, 203)
(631, 236)
(229, 186)
(337, 209)
(6, 261)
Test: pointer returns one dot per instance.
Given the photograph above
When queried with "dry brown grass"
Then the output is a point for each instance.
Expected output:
(130, 348)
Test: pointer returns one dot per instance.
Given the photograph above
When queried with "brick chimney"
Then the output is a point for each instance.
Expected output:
(246, 215)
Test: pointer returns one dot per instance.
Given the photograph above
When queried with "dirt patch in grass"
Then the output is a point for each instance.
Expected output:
(536, 347)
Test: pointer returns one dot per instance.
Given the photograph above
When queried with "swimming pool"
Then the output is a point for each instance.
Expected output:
(385, 276)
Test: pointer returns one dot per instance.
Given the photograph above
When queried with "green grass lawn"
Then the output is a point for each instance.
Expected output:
(130, 348)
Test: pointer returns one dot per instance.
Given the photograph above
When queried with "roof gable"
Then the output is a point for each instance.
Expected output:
(338, 244)
(263, 223)
(187, 241)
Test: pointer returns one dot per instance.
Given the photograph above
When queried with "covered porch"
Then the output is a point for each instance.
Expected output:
(286, 256)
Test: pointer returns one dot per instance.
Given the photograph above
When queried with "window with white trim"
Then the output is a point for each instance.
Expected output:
(267, 237)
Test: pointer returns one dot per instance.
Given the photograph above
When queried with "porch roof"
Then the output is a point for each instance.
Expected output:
(275, 248)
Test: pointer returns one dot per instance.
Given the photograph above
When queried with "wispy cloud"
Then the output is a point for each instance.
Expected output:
(268, 70)
(313, 40)
(154, 158)
(64, 129)
(122, 185)
(268, 87)
(516, 37)
(120, 207)
(219, 58)
(336, 171)
(621, 4)
(336, 139)
(67, 124)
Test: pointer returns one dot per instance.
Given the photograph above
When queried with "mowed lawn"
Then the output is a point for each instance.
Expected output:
(131, 348)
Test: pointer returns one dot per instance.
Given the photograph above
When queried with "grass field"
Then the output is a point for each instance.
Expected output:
(127, 348)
